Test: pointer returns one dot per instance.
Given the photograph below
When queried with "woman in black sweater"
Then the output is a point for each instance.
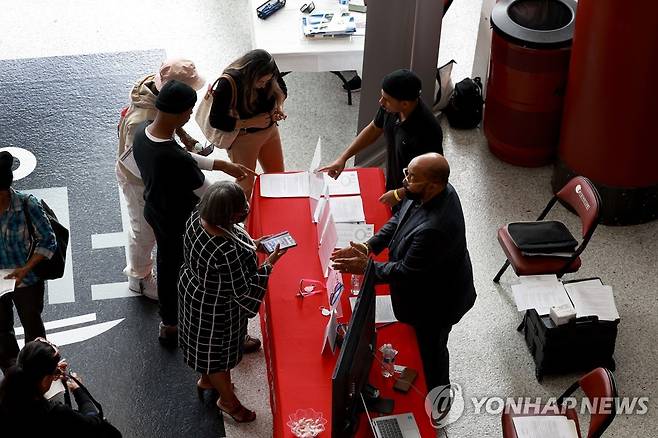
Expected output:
(258, 105)
(23, 409)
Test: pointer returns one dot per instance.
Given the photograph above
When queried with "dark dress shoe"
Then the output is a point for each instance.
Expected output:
(251, 345)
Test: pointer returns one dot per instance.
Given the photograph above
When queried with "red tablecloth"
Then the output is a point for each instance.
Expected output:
(293, 328)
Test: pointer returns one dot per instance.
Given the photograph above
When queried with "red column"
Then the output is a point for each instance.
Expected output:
(610, 114)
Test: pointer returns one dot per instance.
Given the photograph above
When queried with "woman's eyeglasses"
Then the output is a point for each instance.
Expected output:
(307, 8)
(47, 342)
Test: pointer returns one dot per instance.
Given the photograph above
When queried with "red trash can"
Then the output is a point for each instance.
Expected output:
(610, 113)
(530, 50)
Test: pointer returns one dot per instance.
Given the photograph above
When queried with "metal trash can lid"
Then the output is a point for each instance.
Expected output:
(541, 24)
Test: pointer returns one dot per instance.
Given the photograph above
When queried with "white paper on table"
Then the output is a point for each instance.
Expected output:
(383, 309)
(547, 426)
(346, 184)
(318, 205)
(324, 217)
(6, 285)
(330, 333)
(353, 233)
(327, 245)
(592, 299)
(284, 185)
(56, 387)
(317, 156)
(539, 294)
(347, 209)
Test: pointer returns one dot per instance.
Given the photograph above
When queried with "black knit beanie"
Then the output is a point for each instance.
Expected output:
(6, 174)
(402, 85)
(175, 97)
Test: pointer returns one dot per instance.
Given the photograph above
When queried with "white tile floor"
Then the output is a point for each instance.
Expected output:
(488, 357)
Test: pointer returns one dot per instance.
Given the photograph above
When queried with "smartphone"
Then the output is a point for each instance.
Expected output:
(283, 239)
(406, 379)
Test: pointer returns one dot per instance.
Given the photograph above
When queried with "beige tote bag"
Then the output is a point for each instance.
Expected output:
(221, 139)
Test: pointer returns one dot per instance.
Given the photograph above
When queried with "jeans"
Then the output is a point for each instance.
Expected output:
(29, 305)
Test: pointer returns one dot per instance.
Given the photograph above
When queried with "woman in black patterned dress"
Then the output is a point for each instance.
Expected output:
(221, 286)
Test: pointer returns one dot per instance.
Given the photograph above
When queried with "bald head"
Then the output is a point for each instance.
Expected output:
(434, 167)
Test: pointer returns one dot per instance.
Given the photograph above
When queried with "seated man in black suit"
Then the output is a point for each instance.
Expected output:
(429, 268)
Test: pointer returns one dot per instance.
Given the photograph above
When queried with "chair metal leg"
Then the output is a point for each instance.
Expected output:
(501, 272)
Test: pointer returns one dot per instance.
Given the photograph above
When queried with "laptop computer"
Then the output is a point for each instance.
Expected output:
(393, 426)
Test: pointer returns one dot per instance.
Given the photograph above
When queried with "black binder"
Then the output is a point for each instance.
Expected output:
(580, 345)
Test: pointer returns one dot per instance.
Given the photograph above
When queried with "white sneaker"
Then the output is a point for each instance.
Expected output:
(146, 286)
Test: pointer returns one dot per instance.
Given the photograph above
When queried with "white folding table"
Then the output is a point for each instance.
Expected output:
(281, 35)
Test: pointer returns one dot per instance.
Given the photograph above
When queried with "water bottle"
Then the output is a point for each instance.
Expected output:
(388, 360)
(355, 284)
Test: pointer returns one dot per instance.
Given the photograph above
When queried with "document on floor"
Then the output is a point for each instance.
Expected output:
(547, 426)
(6, 285)
(593, 298)
(353, 233)
(347, 209)
(383, 309)
(539, 292)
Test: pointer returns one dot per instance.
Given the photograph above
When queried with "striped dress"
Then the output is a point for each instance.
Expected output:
(219, 289)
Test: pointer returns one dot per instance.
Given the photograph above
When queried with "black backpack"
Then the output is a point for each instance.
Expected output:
(49, 269)
(464, 111)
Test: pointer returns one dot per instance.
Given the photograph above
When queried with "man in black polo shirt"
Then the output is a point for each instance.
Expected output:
(409, 126)
(173, 183)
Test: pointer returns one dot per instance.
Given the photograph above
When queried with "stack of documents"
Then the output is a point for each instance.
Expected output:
(589, 297)
(383, 309)
(7, 285)
(548, 426)
(328, 24)
(592, 297)
(539, 292)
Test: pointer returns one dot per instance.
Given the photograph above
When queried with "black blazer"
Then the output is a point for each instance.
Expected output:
(429, 269)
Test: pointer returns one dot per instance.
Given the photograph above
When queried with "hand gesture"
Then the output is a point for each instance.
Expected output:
(278, 114)
(237, 171)
(334, 169)
(389, 199)
(18, 274)
(70, 384)
(276, 255)
(349, 251)
(262, 120)
(353, 265)
(258, 241)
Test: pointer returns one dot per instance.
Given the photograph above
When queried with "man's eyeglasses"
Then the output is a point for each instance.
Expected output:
(307, 8)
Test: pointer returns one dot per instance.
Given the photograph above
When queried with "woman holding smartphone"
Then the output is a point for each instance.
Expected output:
(261, 92)
(221, 286)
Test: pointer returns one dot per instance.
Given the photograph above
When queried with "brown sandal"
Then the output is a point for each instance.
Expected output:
(238, 413)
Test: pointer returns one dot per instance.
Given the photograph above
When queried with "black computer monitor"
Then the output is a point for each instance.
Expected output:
(355, 360)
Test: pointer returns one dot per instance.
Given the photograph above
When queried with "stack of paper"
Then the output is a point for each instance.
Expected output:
(7, 285)
(548, 426)
(383, 309)
(353, 233)
(539, 292)
(347, 209)
(591, 297)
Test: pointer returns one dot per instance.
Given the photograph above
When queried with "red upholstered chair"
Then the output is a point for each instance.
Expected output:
(581, 195)
(599, 387)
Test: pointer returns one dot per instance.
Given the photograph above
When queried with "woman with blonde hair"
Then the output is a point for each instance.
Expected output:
(254, 109)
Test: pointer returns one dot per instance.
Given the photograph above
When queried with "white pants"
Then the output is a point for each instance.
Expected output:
(141, 239)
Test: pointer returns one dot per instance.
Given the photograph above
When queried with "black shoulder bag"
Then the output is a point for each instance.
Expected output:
(49, 269)
(106, 429)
